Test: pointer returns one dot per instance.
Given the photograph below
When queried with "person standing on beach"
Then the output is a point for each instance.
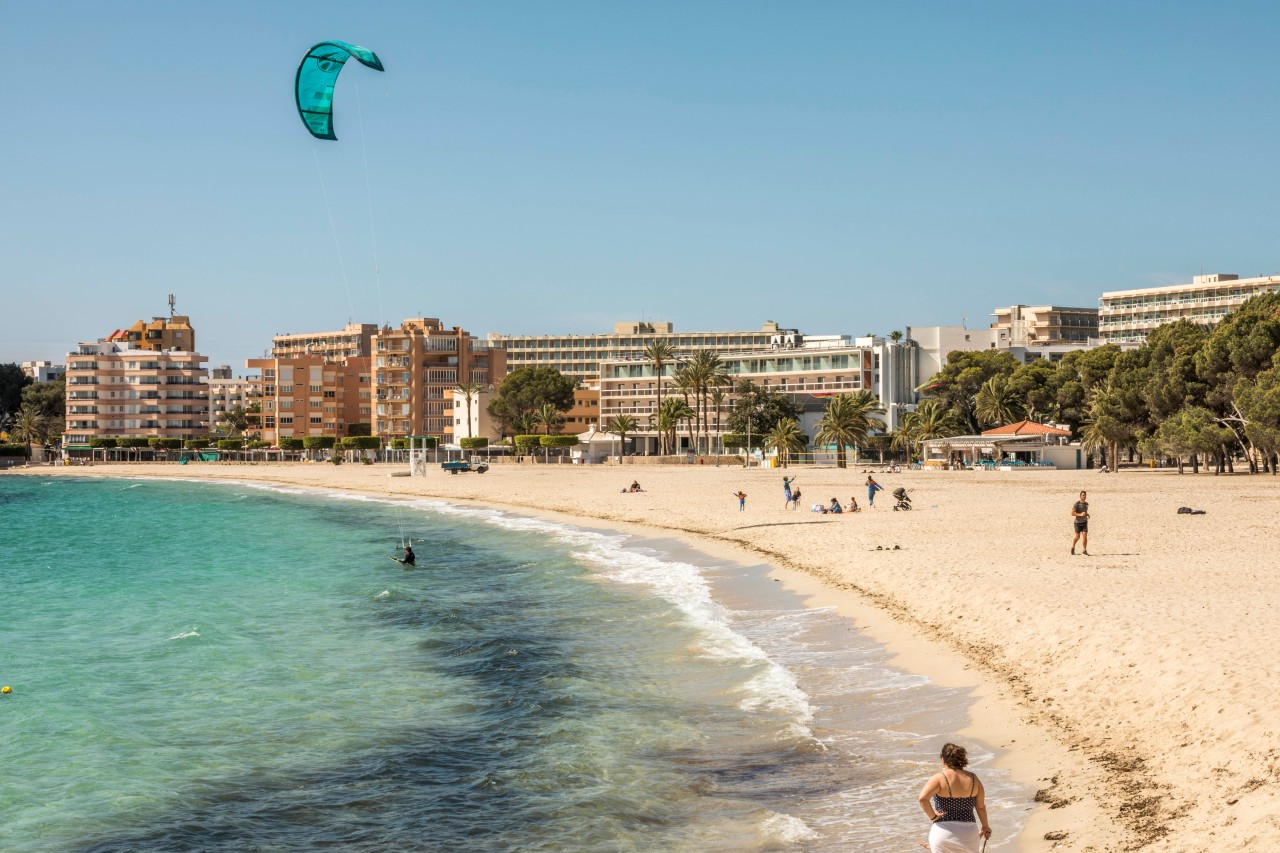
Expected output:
(954, 830)
(786, 491)
(1080, 513)
(742, 500)
(872, 488)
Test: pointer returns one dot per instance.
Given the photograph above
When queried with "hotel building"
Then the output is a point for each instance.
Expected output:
(808, 371)
(1129, 315)
(145, 381)
(227, 392)
(415, 369)
(354, 341)
(579, 356)
(1046, 325)
(44, 371)
(312, 395)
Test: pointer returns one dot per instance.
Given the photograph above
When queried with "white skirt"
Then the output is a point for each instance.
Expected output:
(954, 836)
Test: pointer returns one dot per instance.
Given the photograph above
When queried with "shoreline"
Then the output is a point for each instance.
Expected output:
(1103, 783)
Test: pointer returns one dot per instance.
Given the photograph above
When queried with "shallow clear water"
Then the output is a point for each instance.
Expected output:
(228, 667)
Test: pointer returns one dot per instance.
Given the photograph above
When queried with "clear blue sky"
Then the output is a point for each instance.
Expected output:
(554, 167)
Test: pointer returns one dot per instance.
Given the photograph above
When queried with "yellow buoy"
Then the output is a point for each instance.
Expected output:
(6, 689)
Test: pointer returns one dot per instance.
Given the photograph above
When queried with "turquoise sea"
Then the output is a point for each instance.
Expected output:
(228, 667)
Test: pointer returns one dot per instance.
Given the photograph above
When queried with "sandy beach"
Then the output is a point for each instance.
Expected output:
(1129, 687)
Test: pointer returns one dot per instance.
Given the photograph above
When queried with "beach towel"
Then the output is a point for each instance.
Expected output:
(953, 836)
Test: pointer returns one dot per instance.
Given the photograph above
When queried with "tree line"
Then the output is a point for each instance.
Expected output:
(1190, 394)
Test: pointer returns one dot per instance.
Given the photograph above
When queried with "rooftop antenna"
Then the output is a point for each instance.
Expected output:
(172, 300)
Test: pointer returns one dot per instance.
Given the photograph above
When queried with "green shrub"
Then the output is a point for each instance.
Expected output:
(318, 442)
(399, 444)
(361, 442)
(12, 450)
(558, 440)
(739, 439)
(526, 443)
(230, 444)
(196, 443)
(100, 441)
(476, 443)
(166, 443)
(336, 458)
(290, 443)
(259, 444)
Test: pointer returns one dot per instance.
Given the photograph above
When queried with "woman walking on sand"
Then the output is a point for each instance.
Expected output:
(949, 800)
(872, 488)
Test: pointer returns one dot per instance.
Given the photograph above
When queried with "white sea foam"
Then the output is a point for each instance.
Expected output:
(786, 829)
(183, 636)
(386, 593)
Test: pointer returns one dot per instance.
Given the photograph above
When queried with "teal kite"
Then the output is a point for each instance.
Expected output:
(317, 74)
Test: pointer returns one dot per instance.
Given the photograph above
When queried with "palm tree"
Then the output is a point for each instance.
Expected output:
(717, 398)
(848, 421)
(786, 438)
(706, 371)
(620, 425)
(549, 416)
(996, 403)
(668, 418)
(469, 391)
(28, 427)
(934, 420)
(895, 336)
(525, 423)
(660, 353)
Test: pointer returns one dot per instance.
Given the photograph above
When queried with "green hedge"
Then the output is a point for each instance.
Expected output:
(739, 439)
(230, 444)
(196, 443)
(476, 443)
(99, 441)
(399, 444)
(526, 443)
(134, 442)
(258, 444)
(165, 443)
(361, 442)
(558, 440)
(12, 450)
(318, 442)
(290, 443)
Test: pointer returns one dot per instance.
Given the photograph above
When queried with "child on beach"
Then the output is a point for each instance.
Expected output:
(742, 500)
(872, 488)
(853, 504)
(788, 498)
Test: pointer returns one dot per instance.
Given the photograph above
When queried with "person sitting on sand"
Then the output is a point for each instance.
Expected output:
(635, 486)
(853, 505)
(835, 506)
(954, 830)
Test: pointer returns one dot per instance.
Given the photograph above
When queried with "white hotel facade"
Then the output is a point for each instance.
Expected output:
(1129, 315)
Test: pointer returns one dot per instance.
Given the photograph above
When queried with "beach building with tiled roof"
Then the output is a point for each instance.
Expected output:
(1025, 427)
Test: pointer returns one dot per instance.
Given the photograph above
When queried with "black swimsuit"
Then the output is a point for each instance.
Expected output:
(959, 809)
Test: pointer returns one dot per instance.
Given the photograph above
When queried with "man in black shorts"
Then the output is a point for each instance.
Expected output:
(1080, 513)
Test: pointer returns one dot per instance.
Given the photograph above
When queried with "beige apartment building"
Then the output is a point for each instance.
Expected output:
(1129, 315)
(1046, 325)
(146, 382)
(353, 341)
(312, 395)
(579, 356)
(415, 369)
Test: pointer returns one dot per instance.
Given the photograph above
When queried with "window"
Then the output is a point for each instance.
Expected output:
(286, 420)
(315, 420)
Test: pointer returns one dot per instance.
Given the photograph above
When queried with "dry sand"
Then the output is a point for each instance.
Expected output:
(1135, 687)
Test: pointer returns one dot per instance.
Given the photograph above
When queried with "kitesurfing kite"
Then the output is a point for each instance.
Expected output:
(317, 74)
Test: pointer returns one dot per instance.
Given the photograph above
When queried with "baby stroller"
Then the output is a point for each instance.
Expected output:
(903, 498)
